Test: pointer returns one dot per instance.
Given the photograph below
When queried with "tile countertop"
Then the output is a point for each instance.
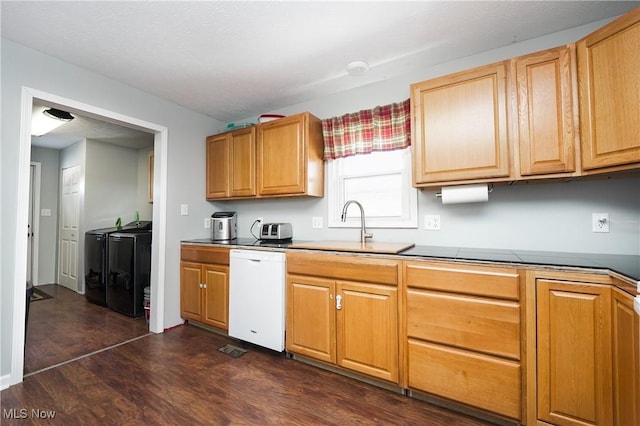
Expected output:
(627, 266)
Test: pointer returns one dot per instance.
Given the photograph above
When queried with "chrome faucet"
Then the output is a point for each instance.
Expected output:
(363, 232)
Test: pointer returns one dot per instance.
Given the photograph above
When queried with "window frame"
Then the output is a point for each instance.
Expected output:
(336, 196)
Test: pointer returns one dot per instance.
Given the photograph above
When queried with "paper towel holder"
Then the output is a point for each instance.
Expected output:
(489, 189)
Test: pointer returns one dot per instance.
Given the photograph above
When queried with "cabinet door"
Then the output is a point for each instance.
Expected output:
(626, 360)
(367, 329)
(459, 126)
(609, 93)
(243, 162)
(546, 113)
(281, 156)
(191, 290)
(311, 325)
(574, 353)
(217, 166)
(216, 296)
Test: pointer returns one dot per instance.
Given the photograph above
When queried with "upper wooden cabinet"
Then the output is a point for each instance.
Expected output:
(281, 158)
(546, 110)
(231, 164)
(609, 95)
(290, 157)
(459, 127)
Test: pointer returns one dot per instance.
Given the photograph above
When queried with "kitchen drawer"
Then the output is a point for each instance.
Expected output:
(217, 255)
(478, 380)
(351, 268)
(485, 325)
(483, 281)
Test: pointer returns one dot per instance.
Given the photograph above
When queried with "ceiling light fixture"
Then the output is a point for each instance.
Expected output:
(47, 121)
(357, 68)
(58, 114)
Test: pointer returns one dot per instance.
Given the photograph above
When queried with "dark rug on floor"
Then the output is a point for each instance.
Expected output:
(39, 295)
(231, 350)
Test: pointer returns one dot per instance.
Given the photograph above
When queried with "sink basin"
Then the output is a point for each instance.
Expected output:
(354, 246)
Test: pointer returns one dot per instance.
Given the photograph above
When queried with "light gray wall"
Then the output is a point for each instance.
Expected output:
(49, 160)
(111, 184)
(187, 131)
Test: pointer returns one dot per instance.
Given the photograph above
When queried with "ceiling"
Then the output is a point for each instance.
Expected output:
(232, 60)
(83, 127)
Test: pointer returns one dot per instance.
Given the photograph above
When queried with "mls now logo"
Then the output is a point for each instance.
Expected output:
(15, 413)
(23, 413)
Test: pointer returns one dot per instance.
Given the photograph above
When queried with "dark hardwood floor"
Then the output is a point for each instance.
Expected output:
(68, 326)
(180, 377)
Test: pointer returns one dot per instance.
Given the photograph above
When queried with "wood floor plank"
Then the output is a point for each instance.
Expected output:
(180, 377)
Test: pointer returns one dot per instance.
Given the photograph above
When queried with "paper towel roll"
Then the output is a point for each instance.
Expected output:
(477, 193)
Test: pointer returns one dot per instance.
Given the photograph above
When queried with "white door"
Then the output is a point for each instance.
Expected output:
(69, 228)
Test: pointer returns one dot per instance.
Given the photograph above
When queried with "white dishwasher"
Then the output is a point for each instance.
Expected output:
(257, 297)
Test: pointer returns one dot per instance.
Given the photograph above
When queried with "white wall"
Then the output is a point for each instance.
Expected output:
(48, 238)
(187, 131)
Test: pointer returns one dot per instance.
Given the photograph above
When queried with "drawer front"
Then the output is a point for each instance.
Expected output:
(348, 268)
(478, 380)
(217, 255)
(485, 325)
(489, 282)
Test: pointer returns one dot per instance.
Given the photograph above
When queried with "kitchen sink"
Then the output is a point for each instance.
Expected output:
(354, 246)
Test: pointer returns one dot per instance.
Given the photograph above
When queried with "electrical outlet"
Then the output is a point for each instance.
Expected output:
(184, 209)
(432, 222)
(600, 222)
(207, 223)
(316, 222)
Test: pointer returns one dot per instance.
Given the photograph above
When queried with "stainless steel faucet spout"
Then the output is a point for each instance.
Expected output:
(363, 231)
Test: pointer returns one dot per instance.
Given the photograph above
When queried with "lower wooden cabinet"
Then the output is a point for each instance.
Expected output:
(574, 353)
(349, 323)
(204, 286)
(626, 359)
(464, 335)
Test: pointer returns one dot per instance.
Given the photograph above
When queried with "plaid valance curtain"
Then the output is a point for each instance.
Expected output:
(384, 128)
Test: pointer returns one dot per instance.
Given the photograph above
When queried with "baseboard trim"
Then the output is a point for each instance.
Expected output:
(5, 381)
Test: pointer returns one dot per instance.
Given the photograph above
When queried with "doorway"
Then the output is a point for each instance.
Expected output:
(159, 211)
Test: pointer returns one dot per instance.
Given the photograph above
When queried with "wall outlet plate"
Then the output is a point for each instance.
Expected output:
(600, 222)
(432, 222)
(207, 223)
(316, 222)
(184, 209)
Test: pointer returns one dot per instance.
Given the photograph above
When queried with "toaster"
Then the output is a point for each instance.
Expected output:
(276, 231)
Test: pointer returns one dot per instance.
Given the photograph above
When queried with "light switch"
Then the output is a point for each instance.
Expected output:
(45, 212)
